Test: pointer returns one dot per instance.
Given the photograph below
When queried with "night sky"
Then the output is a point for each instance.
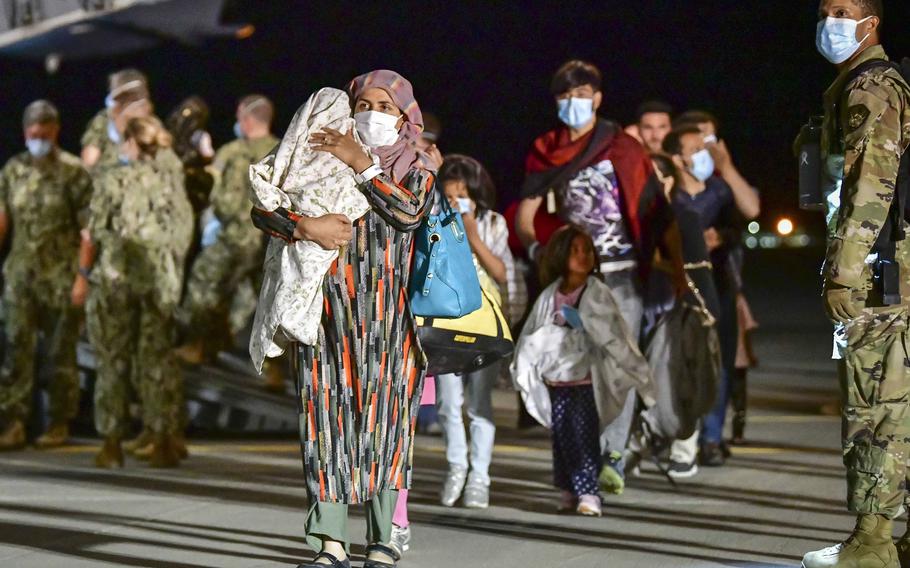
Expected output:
(484, 69)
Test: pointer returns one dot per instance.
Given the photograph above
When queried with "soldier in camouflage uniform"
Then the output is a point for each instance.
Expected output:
(128, 97)
(866, 131)
(43, 193)
(230, 264)
(141, 225)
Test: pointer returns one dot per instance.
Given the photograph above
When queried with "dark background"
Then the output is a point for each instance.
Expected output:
(484, 69)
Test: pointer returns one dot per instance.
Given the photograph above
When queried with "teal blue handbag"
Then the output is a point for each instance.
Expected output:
(444, 282)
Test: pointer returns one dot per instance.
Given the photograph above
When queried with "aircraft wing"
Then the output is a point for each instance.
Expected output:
(125, 26)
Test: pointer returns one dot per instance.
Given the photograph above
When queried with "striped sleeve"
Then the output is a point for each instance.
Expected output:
(404, 204)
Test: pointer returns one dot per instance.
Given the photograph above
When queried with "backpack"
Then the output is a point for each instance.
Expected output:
(687, 387)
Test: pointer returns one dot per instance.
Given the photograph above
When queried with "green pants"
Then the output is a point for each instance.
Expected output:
(27, 314)
(133, 339)
(329, 521)
(874, 375)
(220, 293)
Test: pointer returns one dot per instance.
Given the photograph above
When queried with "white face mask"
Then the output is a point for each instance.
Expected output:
(835, 38)
(702, 165)
(376, 128)
(112, 133)
(39, 147)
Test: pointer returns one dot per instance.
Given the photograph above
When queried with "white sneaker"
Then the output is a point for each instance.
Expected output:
(453, 487)
(589, 506)
(476, 495)
(681, 470)
(825, 557)
(401, 539)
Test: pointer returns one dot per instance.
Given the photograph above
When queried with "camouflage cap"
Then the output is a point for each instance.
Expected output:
(126, 79)
(40, 112)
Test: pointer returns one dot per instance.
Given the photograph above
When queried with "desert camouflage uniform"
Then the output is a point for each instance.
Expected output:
(221, 285)
(874, 371)
(141, 223)
(46, 202)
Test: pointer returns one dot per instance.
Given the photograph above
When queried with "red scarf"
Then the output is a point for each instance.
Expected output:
(630, 162)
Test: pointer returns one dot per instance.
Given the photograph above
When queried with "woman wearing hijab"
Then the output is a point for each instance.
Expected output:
(360, 383)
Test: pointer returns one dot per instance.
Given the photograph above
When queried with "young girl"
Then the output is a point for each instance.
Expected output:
(469, 188)
(575, 363)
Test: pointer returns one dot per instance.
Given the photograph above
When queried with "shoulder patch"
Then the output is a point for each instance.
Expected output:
(856, 116)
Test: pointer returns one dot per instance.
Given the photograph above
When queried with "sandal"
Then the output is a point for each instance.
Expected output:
(385, 550)
(334, 562)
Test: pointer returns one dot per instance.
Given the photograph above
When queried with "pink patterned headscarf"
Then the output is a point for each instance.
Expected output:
(402, 156)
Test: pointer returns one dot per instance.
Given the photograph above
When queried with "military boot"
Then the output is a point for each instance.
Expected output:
(179, 442)
(191, 353)
(142, 440)
(111, 454)
(57, 435)
(13, 437)
(164, 453)
(870, 546)
(145, 452)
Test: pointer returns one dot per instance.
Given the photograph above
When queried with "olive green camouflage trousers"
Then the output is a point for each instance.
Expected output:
(874, 374)
(133, 340)
(221, 293)
(27, 314)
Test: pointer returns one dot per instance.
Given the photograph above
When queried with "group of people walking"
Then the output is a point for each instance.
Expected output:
(610, 240)
(152, 233)
(619, 269)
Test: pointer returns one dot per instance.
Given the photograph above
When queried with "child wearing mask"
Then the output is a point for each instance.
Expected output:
(469, 188)
(575, 363)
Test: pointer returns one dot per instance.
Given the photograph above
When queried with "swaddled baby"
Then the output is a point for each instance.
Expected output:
(311, 183)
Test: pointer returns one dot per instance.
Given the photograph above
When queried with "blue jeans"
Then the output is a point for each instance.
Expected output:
(713, 424)
(450, 395)
(712, 431)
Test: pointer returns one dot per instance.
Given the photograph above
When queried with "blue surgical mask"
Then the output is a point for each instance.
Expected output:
(112, 133)
(238, 132)
(835, 38)
(575, 112)
(702, 165)
(39, 147)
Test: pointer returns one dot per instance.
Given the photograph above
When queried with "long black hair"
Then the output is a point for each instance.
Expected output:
(555, 260)
(458, 167)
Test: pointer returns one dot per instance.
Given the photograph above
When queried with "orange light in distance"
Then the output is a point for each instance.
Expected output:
(785, 227)
(246, 31)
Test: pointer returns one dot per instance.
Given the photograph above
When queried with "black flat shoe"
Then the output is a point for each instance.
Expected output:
(334, 562)
(385, 550)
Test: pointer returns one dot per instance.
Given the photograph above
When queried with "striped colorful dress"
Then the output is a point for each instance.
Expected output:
(359, 387)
